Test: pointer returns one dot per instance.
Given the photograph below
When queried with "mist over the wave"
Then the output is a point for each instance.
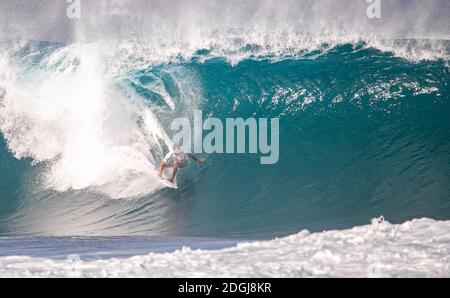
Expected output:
(185, 21)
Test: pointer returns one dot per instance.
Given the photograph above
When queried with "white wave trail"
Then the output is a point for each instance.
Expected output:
(418, 248)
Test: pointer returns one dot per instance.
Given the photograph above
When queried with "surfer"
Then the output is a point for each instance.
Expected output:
(176, 159)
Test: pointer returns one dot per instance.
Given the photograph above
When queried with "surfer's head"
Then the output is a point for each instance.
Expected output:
(177, 149)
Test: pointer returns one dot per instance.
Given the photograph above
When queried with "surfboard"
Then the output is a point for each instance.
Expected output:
(165, 180)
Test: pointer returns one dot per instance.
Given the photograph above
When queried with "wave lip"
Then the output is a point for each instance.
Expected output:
(418, 248)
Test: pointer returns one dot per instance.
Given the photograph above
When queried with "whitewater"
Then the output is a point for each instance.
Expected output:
(419, 248)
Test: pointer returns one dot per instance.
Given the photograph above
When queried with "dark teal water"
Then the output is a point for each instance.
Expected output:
(362, 134)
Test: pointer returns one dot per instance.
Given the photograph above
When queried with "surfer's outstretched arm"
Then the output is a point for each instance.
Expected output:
(192, 156)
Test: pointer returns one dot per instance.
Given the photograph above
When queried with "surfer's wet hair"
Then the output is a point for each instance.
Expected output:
(176, 147)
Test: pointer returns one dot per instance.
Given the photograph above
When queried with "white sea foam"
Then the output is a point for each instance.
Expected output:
(418, 248)
(237, 45)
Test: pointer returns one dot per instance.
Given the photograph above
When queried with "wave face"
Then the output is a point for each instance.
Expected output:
(363, 132)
